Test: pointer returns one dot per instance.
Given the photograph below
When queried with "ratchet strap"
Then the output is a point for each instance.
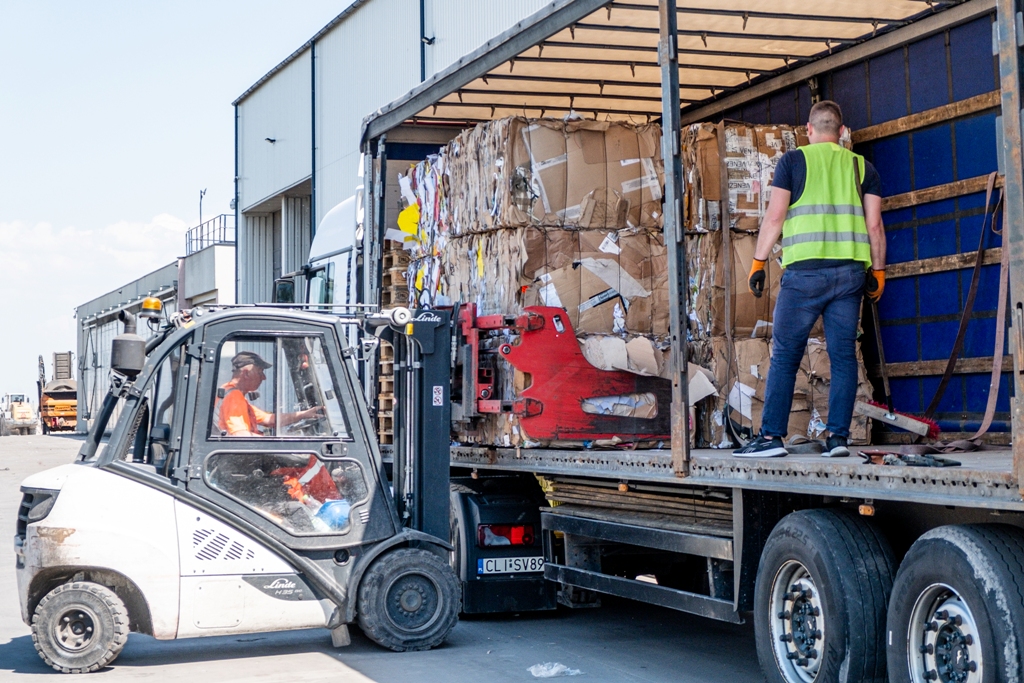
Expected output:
(969, 304)
(997, 355)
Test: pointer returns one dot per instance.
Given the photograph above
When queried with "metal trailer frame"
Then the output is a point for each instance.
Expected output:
(986, 485)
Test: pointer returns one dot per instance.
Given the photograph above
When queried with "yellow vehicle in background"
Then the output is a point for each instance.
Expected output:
(17, 416)
(58, 398)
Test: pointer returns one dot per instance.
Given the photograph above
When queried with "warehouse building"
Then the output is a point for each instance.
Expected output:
(297, 129)
(204, 276)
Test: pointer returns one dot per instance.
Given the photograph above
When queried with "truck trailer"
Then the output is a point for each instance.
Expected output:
(848, 569)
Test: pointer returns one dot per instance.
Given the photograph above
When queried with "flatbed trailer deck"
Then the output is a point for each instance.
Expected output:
(983, 480)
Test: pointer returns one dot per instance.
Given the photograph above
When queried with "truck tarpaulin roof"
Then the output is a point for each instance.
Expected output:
(600, 58)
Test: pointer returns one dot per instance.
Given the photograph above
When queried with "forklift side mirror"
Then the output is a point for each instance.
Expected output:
(284, 291)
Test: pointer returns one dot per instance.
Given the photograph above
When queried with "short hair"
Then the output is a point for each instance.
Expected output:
(826, 117)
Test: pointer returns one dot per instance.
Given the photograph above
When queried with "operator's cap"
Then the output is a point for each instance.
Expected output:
(243, 358)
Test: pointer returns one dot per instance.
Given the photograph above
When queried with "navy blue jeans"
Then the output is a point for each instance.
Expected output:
(835, 293)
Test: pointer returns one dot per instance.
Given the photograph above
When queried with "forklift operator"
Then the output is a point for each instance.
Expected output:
(826, 204)
(235, 415)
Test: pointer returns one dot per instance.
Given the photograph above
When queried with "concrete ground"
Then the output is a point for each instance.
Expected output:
(620, 642)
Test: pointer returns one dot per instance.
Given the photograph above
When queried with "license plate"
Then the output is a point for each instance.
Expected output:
(509, 565)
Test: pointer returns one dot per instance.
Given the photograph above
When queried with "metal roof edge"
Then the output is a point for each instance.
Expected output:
(540, 25)
(356, 4)
(920, 28)
(170, 268)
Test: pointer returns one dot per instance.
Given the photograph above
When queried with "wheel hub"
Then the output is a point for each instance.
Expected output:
(944, 639)
(74, 629)
(413, 602)
(797, 623)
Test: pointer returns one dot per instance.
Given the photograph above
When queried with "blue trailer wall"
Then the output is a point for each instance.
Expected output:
(920, 314)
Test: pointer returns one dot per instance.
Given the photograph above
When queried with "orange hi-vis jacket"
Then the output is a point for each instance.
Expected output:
(236, 416)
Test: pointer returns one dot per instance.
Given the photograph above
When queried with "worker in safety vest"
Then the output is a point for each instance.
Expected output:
(235, 416)
(826, 204)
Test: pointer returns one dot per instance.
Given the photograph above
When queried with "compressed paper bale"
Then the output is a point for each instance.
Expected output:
(517, 172)
(751, 154)
(741, 390)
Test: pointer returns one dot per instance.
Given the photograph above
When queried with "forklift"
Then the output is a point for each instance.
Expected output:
(242, 489)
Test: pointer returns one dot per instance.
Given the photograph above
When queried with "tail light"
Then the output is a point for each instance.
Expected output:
(496, 535)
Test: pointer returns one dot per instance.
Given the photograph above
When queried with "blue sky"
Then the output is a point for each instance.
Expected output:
(113, 116)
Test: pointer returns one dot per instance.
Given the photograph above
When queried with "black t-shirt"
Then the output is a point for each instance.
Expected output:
(791, 174)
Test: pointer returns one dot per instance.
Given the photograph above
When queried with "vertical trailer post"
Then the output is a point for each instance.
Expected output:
(678, 290)
(1009, 37)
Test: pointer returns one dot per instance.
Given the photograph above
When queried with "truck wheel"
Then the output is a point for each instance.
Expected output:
(820, 598)
(957, 610)
(80, 627)
(409, 600)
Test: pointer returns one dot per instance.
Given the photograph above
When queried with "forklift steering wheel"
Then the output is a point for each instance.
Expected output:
(303, 424)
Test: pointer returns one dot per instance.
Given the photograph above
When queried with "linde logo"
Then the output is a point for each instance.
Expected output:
(427, 317)
(280, 584)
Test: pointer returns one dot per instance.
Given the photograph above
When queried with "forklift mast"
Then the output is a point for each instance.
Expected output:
(422, 421)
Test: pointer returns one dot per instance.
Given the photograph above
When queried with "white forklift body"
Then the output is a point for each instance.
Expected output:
(185, 526)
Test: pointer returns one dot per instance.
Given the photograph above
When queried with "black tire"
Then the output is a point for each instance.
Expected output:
(842, 570)
(964, 580)
(456, 555)
(409, 599)
(80, 627)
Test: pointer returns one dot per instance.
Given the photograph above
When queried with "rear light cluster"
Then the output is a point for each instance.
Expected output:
(496, 535)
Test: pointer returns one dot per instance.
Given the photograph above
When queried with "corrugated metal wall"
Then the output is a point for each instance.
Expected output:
(460, 26)
(368, 60)
(95, 336)
(920, 314)
(256, 258)
(281, 109)
(295, 232)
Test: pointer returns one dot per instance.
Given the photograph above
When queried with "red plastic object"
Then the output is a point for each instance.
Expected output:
(561, 378)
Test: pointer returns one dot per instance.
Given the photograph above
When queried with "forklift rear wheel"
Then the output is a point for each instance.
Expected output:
(409, 600)
(957, 612)
(820, 597)
(80, 627)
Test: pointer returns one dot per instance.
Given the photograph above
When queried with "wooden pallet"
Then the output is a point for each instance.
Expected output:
(387, 368)
(395, 258)
(386, 403)
(395, 277)
(394, 296)
(387, 351)
(386, 383)
(385, 423)
(385, 438)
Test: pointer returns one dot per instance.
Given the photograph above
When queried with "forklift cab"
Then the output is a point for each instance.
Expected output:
(247, 441)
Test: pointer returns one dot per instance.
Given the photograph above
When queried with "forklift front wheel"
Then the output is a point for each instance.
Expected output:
(409, 600)
(80, 627)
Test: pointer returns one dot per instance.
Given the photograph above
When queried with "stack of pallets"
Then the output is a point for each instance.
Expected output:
(386, 394)
(394, 292)
(394, 286)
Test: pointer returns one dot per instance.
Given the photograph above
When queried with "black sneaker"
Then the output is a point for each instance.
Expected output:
(835, 447)
(762, 447)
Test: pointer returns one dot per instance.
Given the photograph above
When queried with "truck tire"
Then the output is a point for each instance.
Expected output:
(80, 627)
(957, 609)
(456, 559)
(820, 597)
(409, 600)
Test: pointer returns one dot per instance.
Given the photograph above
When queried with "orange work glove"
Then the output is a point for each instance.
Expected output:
(756, 278)
(875, 284)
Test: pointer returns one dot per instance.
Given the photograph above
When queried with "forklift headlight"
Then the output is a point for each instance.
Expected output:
(497, 535)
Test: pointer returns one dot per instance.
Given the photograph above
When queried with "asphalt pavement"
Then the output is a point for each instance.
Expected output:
(622, 641)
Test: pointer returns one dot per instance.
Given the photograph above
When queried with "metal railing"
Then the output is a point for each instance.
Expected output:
(218, 230)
